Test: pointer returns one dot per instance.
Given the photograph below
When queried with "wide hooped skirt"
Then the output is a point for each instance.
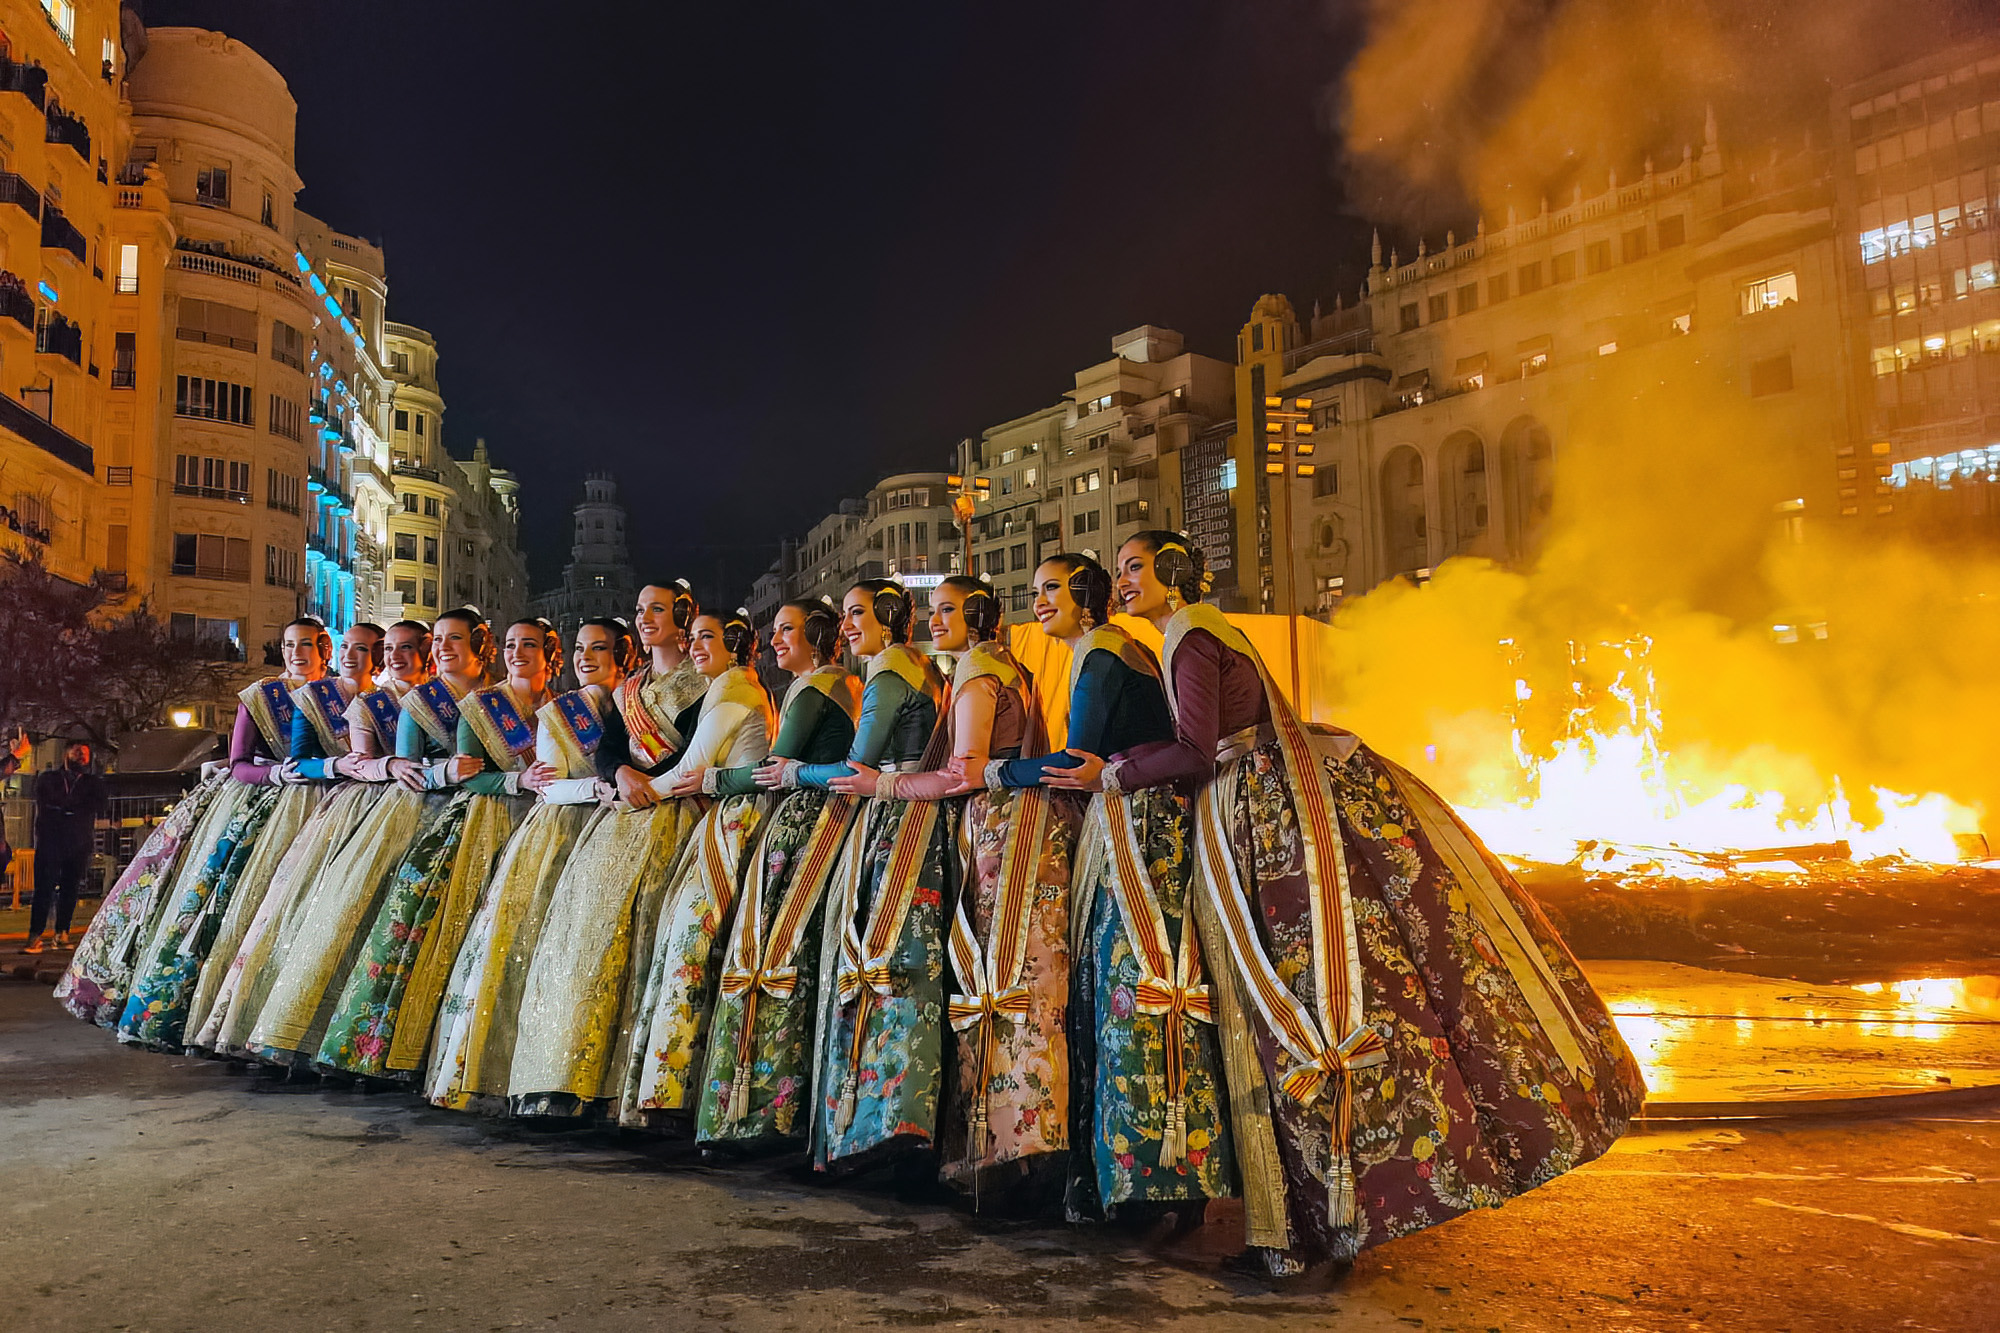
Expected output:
(1503, 1067)
(589, 965)
(478, 1022)
(310, 967)
(100, 971)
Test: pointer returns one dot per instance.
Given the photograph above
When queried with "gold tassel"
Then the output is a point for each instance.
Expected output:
(739, 1093)
(1343, 1204)
(980, 1137)
(1173, 1138)
(844, 1116)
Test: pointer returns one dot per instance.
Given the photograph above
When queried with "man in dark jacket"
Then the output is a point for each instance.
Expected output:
(68, 801)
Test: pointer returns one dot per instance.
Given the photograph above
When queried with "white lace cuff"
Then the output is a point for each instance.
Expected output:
(991, 777)
(710, 778)
(788, 774)
(1110, 779)
(885, 785)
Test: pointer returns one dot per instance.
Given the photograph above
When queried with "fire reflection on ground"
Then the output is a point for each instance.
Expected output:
(1707, 1038)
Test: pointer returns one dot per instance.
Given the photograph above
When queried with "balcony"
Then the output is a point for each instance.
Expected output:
(46, 436)
(117, 476)
(58, 233)
(31, 81)
(59, 337)
(420, 473)
(66, 128)
(124, 377)
(16, 191)
(283, 506)
(217, 572)
(15, 303)
(212, 493)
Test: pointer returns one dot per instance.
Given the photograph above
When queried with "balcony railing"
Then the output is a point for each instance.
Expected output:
(420, 473)
(16, 191)
(283, 506)
(212, 493)
(58, 233)
(31, 81)
(216, 339)
(124, 377)
(70, 129)
(46, 436)
(16, 304)
(220, 573)
(117, 476)
(61, 338)
(281, 580)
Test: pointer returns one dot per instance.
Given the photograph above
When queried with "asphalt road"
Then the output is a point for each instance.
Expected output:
(148, 1193)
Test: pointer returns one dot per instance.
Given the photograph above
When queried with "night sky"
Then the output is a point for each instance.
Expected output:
(750, 257)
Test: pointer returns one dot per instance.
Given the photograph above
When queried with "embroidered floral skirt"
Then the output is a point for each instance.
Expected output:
(95, 984)
(156, 1010)
(477, 1022)
(310, 967)
(1120, 1106)
(583, 983)
(1016, 1062)
(778, 1046)
(1477, 1101)
(668, 1034)
(247, 981)
(295, 805)
(382, 1021)
(889, 1042)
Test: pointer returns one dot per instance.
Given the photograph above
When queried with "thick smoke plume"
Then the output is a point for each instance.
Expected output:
(1664, 537)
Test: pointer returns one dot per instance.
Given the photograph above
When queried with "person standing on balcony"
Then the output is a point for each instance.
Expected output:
(68, 801)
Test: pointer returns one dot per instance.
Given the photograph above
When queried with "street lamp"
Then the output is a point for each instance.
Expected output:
(1288, 452)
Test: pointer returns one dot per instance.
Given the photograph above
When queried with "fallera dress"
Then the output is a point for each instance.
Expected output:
(314, 957)
(477, 1023)
(1405, 1037)
(1148, 1112)
(668, 1032)
(99, 975)
(382, 1022)
(1004, 1123)
(879, 1035)
(754, 1093)
(596, 942)
(164, 984)
(320, 736)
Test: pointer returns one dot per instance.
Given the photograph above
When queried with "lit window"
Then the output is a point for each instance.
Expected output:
(1606, 349)
(1770, 293)
(128, 268)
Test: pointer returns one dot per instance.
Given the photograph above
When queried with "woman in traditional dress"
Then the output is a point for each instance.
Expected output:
(1406, 1038)
(597, 939)
(156, 1011)
(320, 737)
(382, 1021)
(1004, 1124)
(395, 732)
(668, 1032)
(879, 1038)
(1148, 1111)
(759, 1061)
(474, 1045)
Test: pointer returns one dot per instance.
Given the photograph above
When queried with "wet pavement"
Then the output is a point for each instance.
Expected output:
(151, 1193)
(1723, 1044)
